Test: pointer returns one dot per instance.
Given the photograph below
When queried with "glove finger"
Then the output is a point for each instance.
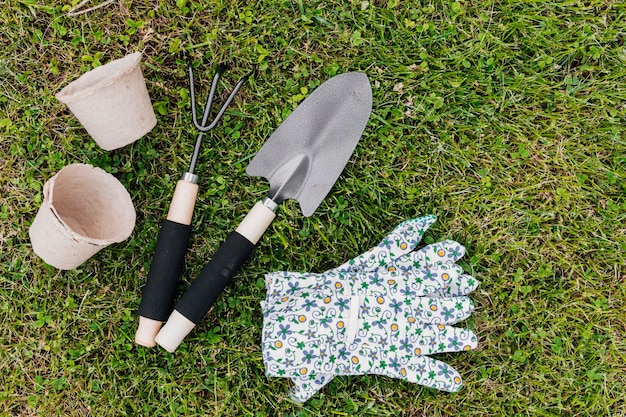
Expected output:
(441, 310)
(445, 252)
(415, 282)
(428, 339)
(431, 373)
(463, 285)
(403, 239)
(446, 280)
(418, 369)
(306, 386)
(438, 276)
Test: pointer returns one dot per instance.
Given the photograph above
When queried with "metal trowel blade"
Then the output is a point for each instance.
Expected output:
(306, 154)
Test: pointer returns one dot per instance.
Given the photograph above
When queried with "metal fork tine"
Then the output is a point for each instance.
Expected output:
(209, 103)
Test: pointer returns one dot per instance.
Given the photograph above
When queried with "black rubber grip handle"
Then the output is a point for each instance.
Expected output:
(214, 277)
(165, 271)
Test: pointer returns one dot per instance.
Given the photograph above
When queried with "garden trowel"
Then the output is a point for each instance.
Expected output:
(302, 160)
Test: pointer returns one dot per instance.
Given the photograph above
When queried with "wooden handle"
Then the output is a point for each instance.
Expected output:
(183, 202)
(256, 222)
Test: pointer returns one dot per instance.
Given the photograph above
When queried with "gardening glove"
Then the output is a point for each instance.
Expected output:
(359, 323)
(393, 257)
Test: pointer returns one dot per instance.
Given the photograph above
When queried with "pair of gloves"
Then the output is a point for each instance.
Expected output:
(384, 312)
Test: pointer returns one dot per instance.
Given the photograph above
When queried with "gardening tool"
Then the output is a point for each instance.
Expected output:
(169, 255)
(302, 160)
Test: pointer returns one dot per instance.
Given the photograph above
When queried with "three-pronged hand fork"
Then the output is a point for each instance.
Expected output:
(171, 247)
(203, 127)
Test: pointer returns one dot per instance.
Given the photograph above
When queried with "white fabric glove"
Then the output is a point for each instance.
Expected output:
(379, 313)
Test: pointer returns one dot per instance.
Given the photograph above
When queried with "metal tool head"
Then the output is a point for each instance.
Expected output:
(306, 154)
(204, 126)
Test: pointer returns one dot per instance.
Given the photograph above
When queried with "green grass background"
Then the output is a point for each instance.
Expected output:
(503, 118)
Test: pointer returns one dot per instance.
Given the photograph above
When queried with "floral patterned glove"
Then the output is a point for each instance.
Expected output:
(382, 321)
